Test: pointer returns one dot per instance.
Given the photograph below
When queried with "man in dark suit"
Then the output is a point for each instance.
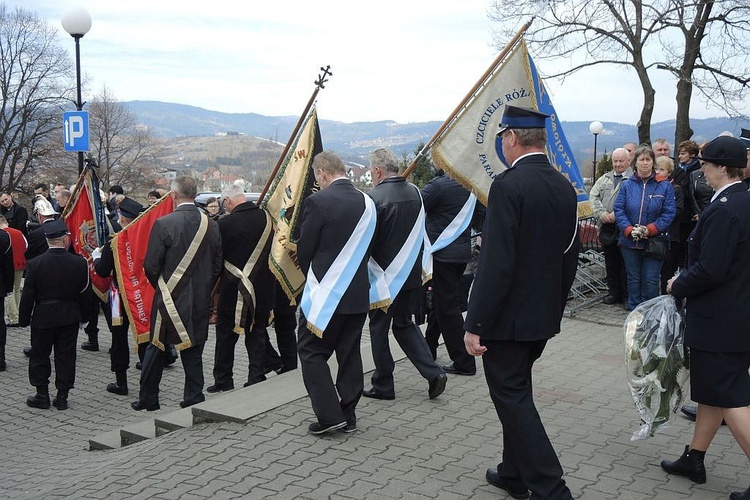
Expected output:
(338, 223)
(54, 299)
(245, 290)
(526, 267)
(396, 278)
(182, 262)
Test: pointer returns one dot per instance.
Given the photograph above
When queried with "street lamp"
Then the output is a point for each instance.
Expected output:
(77, 22)
(595, 128)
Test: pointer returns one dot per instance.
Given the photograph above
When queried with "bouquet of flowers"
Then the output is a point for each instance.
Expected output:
(657, 368)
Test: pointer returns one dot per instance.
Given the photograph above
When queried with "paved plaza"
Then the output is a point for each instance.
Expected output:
(412, 447)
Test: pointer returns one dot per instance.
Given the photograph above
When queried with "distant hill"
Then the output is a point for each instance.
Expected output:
(353, 141)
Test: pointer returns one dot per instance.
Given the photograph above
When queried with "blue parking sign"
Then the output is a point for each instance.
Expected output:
(76, 130)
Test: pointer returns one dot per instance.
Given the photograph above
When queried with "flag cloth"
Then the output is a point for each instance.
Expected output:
(470, 150)
(129, 249)
(88, 225)
(294, 182)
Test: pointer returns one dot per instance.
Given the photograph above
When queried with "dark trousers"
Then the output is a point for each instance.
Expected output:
(408, 336)
(528, 457)
(226, 340)
(119, 352)
(285, 325)
(92, 328)
(3, 328)
(333, 404)
(671, 263)
(153, 367)
(617, 281)
(63, 340)
(446, 317)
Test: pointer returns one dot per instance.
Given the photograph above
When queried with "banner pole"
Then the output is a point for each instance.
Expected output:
(469, 95)
(319, 84)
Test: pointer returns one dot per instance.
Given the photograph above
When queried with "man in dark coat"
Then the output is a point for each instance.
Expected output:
(54, 299)
(245, 290)
(15, 214)
(444, 202)
(338, 223)
(526, 268)
(7, 275)
(182, 262)
(396, 269)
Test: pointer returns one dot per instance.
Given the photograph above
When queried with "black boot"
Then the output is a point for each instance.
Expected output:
(121, 386)
(2, 359)
(61, 400)
(40, 399)
(690, 465)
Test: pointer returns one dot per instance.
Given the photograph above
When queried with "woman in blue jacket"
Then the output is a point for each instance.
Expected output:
(644, 208)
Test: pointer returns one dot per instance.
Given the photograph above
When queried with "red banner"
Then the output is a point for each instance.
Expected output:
(81, 221)
(129, 249)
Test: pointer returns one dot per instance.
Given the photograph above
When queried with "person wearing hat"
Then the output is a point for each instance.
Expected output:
(44, 213)
(54, 301)
(745, 138)
(104, 265)
(715, 284)
(526, 268)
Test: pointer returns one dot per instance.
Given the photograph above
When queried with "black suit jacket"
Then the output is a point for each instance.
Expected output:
(328, 219)
(169, 241)
(55, 292)
(240, 232)
(524, 273)
(398, 205)
(717, 280)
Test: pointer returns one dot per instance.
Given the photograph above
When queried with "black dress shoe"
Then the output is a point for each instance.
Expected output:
(38, 401)
(90, 346)
(451, 368)
(285, 369)
(138, 406)
(273, 367)
(317, 428)
(27, 351)
(740, 495)
(60, 402)
(495, 480)
(611, 299)
(375, 394)
(350, 427)
(137, 365)
(188, 404)
(219, 388)
(437, 386)
(690, 411)
(116, 388)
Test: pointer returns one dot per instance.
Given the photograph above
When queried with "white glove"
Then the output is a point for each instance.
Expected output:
(639, 232)
(96, 254)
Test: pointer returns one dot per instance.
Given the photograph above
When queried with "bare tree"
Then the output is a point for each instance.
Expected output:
(36, 80)
(121, 148)
(712, 57)
(621, 32)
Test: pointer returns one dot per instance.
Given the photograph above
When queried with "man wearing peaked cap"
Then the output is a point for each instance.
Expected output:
(129, 208)
(54, 299)
(745, 138)
(526, 268)
(521, 118)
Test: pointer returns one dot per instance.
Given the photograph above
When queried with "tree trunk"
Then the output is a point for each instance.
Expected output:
(683, 132)
(649, 95)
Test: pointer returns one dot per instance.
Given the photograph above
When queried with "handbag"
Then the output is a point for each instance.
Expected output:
(609, 233)
(656, 247)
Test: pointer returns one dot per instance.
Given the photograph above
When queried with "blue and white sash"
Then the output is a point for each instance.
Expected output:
(457, 226)
(321, 298)
(385, 284)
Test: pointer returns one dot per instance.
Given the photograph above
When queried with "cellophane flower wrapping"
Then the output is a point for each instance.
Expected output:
(657, 368)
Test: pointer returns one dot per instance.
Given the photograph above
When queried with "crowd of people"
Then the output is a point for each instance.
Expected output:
(366, 255)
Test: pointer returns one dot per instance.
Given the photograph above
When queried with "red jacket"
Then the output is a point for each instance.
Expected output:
(19, 244)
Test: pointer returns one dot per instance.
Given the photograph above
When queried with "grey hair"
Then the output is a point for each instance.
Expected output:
(329, 162)
(232, 191)
(622, 151)
(385, 158)
(184, 187)
(531, 136)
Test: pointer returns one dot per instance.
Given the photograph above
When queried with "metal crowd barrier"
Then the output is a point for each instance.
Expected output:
(589, 286)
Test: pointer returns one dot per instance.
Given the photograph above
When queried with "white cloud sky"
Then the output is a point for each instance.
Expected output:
(402, 60)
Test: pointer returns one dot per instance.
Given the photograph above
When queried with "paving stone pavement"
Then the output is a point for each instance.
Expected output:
(412, 447)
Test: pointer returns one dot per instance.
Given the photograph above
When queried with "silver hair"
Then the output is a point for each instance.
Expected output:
(385, 158)
(531, 136)
(184, 187)
(232, 191)
(621, 150)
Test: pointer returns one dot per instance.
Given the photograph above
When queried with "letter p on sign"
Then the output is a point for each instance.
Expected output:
(76, 130)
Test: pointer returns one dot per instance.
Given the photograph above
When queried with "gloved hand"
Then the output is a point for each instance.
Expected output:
(639, 232)
(96, 254)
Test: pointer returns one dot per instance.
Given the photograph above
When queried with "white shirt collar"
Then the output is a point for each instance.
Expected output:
(527, 154)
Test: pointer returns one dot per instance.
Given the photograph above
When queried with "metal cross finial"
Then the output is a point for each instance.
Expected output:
(322, 77)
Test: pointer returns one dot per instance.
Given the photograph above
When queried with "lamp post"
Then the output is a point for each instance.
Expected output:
(77, 22)
(595, 128)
